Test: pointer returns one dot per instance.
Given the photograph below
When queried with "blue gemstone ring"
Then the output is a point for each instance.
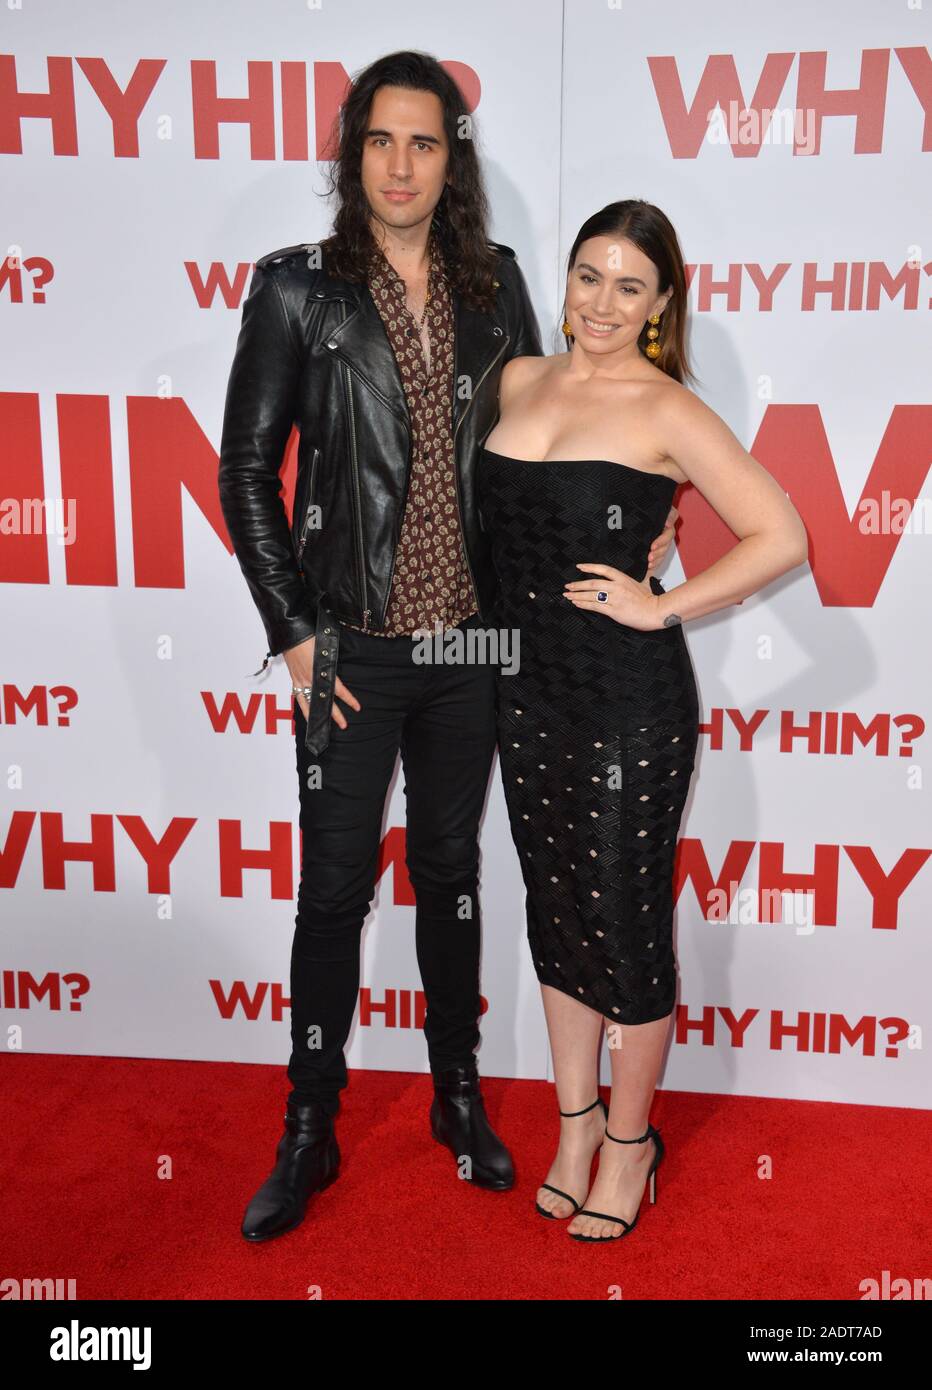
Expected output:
(602, 596)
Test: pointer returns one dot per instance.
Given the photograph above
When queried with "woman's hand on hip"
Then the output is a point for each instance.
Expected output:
(627, 601)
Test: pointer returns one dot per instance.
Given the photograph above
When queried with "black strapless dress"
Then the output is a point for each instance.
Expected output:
(597, 728)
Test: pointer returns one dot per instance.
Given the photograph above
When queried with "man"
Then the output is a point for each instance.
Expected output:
(384, 344)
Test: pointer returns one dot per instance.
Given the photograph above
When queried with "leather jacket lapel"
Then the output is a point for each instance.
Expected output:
(361, 343)
(477, 341)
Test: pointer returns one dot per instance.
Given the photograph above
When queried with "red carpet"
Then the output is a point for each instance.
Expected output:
(84, 1139)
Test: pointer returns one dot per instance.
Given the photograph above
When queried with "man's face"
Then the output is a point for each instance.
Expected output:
(405, 151)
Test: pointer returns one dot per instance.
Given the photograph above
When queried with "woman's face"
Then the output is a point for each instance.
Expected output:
(611, 291)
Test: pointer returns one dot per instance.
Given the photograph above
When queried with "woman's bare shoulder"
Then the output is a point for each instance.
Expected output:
(529, 367)
(673, 392)
(679, 405)
(519, 373)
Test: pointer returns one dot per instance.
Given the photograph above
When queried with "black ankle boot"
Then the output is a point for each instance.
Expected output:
(458, 1119)
(307, 1160)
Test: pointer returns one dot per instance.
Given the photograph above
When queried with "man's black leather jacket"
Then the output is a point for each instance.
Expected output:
(312, 352)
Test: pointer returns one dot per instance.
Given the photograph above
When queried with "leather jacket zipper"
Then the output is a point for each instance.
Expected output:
(302, 539)
(456, 476)
(404, 500)
(367, 612)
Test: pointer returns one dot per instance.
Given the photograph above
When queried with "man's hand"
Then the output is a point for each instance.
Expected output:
(300, 663)
(660, 544)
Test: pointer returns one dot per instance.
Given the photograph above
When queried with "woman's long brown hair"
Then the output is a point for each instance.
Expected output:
(653, 233)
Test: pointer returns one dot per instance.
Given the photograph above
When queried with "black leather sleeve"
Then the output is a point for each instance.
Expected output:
(526, 337)
(261, 405)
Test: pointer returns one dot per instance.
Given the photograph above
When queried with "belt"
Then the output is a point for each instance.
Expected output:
(326, 650)
(323, 675)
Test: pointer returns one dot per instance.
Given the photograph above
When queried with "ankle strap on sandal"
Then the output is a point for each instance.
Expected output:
(571, 1114)
(643, 1139)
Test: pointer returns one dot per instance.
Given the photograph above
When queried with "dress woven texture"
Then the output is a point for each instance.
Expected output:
(598, 730)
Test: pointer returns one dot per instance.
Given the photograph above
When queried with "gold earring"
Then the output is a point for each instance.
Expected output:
(653, 347)
(566, 328)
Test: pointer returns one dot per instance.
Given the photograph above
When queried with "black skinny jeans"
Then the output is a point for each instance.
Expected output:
(442, 718)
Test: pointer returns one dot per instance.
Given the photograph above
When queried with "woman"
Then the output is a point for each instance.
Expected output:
(598, 727)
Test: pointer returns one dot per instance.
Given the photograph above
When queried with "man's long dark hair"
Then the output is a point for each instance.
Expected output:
(460, 217)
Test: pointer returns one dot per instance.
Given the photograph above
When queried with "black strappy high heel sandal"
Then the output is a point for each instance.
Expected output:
(571, 1114)
(651, 1183)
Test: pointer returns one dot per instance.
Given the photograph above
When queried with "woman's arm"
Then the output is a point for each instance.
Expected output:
(772, 537)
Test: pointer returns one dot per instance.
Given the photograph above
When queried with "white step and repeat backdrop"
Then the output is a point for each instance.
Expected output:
(149, 840)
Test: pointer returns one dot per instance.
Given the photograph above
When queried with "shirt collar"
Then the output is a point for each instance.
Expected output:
(381, 270)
